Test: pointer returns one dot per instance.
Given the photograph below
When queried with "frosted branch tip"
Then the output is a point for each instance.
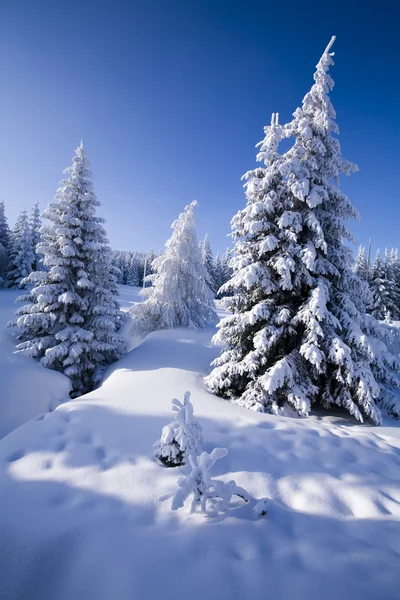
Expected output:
(329, 46)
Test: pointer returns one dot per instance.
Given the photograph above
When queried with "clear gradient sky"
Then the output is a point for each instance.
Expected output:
(171, 96)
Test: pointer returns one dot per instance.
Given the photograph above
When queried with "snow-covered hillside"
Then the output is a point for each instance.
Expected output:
(27, 388)
(82, 513)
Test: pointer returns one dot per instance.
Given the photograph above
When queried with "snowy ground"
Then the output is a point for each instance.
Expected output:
(26, 389)
(81, 515)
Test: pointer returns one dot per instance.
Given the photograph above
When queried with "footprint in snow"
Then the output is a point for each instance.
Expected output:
(16, 455)
(223, 430)
(60, 431)
(85, 439)
(265, 425)
(100, 453)
(107, 460)
(58, 499)
(59, 446)
(42, 417)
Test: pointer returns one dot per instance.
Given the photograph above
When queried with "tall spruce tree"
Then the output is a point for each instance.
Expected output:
(179, 295)
(334, 344)
(71, 318)
(302, 338)
(261, 367)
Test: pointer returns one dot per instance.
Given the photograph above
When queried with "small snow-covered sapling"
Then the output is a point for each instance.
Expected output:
(181, 437)
(211, 494)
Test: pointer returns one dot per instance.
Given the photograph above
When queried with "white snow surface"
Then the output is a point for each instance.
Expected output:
(26, 388)
(82, 513)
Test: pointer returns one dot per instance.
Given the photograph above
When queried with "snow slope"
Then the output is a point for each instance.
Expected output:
(27, 388)
(82, 515)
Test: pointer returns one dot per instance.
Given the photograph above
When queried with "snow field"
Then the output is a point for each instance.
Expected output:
(27, 389)
(82, 515)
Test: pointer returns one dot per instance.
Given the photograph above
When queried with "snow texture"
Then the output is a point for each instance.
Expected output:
(80, 509)
(27, 389)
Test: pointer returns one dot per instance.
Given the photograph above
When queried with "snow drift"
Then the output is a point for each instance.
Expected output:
(81, 514)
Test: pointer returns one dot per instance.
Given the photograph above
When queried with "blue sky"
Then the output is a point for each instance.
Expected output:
(170, 98)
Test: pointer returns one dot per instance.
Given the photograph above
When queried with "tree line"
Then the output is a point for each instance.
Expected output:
(18, 246)
(383, 279)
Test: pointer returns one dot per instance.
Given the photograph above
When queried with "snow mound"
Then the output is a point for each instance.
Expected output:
(27, 388)
(82, 516)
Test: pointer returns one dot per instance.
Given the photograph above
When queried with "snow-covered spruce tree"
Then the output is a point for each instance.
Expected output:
(208, 262)
(181, 437)
(4, 228)
(392, 291)
(222, 272)
(148, 260)
(218, 272)
(21, 253)
(116, 257)
(179, 295)
(361, 267)
(3, 266)
(13, 245)
(133, 271)
(226, 270)
(339, 354)
(72, 317)
(4, 244)
(395, 287)
(262, 367)
(380, 307)
(35, 224)
(303, 339)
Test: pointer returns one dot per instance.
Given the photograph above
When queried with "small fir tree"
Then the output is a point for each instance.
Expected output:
(179, 296)
(181, 437)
